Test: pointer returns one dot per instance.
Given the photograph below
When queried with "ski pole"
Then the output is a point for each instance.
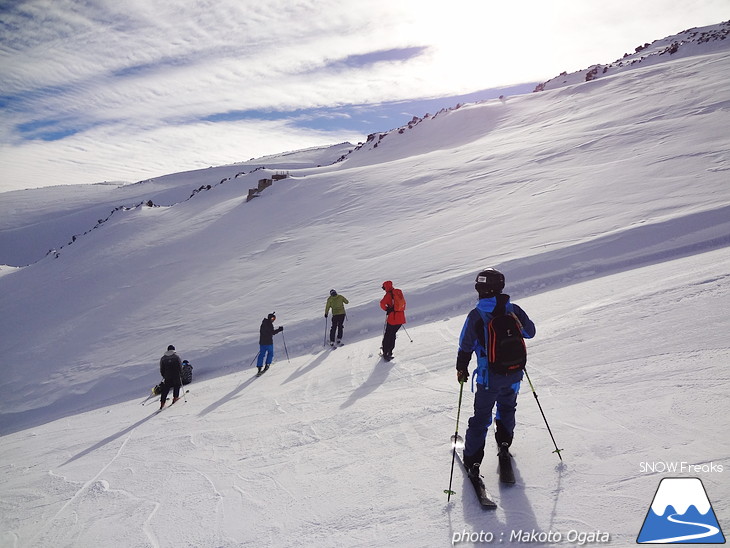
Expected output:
(543, 416)
(455, 440)
(324, 339)
(185, 399)
(254, 358)
(285, 350)
(152, 395)
(404, 329)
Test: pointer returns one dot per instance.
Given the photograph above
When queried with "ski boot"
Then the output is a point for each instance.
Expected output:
(506, 473)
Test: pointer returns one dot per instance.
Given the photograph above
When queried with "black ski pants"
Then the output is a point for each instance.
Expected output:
(165, 390)
(389, 338)
(338, 325)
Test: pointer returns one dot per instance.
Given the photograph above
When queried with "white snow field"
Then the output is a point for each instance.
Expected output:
(605, 203)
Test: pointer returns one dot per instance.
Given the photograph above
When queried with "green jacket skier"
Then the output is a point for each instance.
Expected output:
(336, 303)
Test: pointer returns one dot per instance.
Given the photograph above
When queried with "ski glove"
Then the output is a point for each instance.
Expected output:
(388, 309)
(325, 315)
(462, 375)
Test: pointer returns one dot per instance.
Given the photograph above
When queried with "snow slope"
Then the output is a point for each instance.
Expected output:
(606, 205)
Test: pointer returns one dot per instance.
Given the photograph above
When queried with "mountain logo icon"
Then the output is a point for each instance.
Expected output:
(680, 513)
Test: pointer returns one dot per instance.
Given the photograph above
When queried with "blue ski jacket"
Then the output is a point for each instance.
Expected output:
(473, 335)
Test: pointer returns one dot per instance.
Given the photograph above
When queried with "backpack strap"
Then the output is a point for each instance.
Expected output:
(485, 316)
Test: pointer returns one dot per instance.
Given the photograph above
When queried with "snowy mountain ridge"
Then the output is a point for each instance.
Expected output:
(695, 41)
(41, 222)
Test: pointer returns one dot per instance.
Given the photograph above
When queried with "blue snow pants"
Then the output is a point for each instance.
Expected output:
(265, 350)
(502, 390)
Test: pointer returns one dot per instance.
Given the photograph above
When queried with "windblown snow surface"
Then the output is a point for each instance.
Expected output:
(605, 203)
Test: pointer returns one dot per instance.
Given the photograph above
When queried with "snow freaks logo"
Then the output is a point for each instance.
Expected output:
(680, 513)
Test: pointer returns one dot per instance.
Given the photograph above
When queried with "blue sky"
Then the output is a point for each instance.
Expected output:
(97, 91)
(368, 117)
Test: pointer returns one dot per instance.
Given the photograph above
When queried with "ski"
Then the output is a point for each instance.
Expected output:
(480, 490)
(181, 397)
(506, 472)
(262, 371)
(162, 408)
(154, 392)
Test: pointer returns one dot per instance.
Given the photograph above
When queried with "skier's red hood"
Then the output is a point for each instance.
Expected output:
(388, 286)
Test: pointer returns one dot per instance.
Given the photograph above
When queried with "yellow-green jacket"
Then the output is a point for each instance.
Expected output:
(337, 304)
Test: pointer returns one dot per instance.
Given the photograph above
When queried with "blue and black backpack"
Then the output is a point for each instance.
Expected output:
(504, 343)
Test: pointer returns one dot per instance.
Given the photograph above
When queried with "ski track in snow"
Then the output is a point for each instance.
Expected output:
(84, 488)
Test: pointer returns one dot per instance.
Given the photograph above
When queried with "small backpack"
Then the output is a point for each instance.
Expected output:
(506, 350)
(187, 372)
(399, 301)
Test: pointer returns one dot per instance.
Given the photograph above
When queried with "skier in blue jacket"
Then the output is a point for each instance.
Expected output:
(492, 387)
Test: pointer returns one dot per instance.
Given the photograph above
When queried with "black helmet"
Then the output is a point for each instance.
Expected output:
(489, 282)
(333, 292)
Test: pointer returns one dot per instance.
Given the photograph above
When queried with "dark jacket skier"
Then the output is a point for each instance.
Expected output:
(492, 387)
(171, 371)
(266, 341)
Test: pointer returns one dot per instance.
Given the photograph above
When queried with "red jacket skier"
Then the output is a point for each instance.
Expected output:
(394, 305)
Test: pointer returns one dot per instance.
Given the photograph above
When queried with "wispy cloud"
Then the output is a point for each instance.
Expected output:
(101, 77)
(366, 59)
